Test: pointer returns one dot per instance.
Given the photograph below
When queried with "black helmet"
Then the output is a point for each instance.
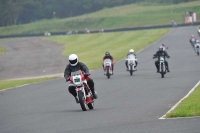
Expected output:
(107, 53)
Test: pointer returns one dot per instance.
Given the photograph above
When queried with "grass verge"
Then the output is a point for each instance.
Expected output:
(188, 107)
(2, 50)
(4, 84)
(91, 48)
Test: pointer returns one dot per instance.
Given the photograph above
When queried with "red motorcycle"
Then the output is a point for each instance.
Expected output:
(84, 94)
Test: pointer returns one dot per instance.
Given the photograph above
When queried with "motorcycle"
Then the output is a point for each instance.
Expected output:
(197, 49)
(131, 63)
(162, 66)
(193, 41)
(108, 68)
(84, 94)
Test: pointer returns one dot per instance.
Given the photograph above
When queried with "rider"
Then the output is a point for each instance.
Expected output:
(192, 36)
(75, 65)
(197, 45)
(131, 51)
(163, 53)
(108, 56)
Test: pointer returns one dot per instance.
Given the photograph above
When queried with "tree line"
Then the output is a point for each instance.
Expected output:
(14, 12)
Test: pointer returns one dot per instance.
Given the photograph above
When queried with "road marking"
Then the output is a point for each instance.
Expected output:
(163, 117)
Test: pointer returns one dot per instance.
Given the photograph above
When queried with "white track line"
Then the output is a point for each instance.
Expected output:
(163, 117)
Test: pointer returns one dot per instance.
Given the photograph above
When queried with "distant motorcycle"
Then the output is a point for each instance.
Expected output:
(108, 68)
(131, 63)
(193, 41)
(162, 66)
(84, 94)
(197, 49)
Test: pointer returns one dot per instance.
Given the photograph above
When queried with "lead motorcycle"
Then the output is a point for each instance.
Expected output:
(84, 94)
(162, 66)
(131, 63)
(108, 67)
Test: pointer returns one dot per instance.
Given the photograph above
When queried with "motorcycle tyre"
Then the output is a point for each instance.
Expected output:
(107, 73)
(162, 72)
(90, 105)
(131, 70)
(82, 101)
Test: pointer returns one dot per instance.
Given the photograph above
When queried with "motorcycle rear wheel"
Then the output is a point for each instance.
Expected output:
(82, 101)
(90, 105)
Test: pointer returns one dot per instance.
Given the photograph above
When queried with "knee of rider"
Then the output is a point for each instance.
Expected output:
(91, 82)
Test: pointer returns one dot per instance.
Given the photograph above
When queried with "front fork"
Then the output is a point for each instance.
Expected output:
(78, 89)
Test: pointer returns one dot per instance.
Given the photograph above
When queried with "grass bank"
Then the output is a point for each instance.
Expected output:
(4, 84)
(132, 15)
(91, 48)
(188, 107)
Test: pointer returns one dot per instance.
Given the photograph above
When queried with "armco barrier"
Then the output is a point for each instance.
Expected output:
(105, 30)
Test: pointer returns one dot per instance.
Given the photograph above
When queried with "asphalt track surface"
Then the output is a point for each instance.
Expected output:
(126, 104)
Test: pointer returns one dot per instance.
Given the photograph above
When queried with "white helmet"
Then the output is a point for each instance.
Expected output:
(131, 51)
(73, 59)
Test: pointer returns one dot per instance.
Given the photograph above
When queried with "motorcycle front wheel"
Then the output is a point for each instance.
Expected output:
(107, 72)
(82, 101)
(131, 70)
(162, 72)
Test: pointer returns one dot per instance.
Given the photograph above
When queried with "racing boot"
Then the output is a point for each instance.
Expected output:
(76, 100)
(94, 93)
(167, 69)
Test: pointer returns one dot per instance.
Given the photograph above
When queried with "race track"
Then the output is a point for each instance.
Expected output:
(126, 104)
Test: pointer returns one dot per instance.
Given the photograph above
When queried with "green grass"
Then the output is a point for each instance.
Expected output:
(91, 48)
(2, 50)
(132, 15)
(188, 107)
(4, 84)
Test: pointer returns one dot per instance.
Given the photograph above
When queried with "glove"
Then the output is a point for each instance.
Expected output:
(168, 57)
(86, 75)
(67, 79)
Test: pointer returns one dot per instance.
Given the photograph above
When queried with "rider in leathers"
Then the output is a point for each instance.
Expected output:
(75, 65)
(197, 45)
(161, 53)
(108, 56)
(131, 51)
